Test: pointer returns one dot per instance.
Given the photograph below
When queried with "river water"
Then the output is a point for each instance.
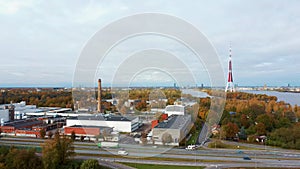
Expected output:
(291, 98)
(195, 93)
(288, 97)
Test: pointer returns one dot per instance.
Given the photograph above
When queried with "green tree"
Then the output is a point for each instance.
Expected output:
(22, 159)
(3, 152)
(242, 134)
(251, 130)
(266, 120)
(283, 122)
(90, 164)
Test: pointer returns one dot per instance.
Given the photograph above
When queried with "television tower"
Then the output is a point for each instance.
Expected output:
(230, 85)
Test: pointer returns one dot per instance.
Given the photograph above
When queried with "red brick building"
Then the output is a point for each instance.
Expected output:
(91, 131)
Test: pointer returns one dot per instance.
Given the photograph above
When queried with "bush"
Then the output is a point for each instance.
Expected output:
(90, 164)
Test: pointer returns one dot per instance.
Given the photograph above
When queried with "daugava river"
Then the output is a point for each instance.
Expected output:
(291, 98)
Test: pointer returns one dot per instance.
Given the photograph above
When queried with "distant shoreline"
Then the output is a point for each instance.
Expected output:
(289, 97)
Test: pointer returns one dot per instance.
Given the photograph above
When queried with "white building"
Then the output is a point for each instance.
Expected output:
(176, 128)
(118, 123)
(4, 115)
(174, 110)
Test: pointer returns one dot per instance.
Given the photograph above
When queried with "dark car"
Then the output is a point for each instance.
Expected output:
(246, 158)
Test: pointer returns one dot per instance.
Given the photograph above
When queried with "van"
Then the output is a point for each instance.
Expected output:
(123, 153)
(191, 147)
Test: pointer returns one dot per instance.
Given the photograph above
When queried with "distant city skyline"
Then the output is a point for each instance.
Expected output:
(41, 41)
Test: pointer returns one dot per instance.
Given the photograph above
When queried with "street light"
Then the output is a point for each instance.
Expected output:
(265, 141)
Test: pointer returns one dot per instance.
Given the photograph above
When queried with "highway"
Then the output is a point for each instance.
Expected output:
(164, 155)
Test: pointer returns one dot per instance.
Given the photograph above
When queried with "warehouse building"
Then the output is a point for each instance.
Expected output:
(92, 132)
(175, 110)
(16, 126)
(173, 130)
(117, 122)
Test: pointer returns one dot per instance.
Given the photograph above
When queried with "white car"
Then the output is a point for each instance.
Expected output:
(123, 153)
(191, 147)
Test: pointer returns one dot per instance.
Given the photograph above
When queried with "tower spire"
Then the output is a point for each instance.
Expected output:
(230, 85)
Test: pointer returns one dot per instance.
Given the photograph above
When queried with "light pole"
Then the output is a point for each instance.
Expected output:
(255, 160)
(264, 140)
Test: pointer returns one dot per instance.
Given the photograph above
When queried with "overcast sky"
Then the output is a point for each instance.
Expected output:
(41, 40)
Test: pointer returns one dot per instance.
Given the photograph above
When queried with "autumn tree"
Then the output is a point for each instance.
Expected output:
(230, 130)
(57, 152)
(50, 134)
(260, 129)
(42, 133)
(141, 106)
(73, 135)
(166, 138)
(245, 121)
(144, 138)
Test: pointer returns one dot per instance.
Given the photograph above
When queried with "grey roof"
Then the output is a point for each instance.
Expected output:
(83, 126)
(177, 108)
(24, 123)
(174, 122)
(101, 117)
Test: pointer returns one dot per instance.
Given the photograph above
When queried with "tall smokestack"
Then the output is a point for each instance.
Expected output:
(99, 96)
(11, 112)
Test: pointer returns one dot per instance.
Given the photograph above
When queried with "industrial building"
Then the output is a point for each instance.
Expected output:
(21, 127)
(92, 132)
(4, 115)
(117, 122)
(19, 111)
(175, 110)
(176, 127)
(7, 112)
(31, 127)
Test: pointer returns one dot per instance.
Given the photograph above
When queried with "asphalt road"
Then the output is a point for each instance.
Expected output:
(210, 157)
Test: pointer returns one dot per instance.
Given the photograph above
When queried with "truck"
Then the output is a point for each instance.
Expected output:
(107, 144)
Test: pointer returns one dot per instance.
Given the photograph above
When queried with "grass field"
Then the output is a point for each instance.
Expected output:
(193, 138)
(256, 168)
(220, 144)
(153, 166)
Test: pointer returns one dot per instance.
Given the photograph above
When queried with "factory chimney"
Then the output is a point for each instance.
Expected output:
(99, 96)
(11, 110)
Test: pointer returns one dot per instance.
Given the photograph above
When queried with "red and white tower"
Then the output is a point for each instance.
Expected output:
(230, 85)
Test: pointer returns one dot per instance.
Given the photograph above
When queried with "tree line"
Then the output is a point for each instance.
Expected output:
(57, 153)
(248, 116)
(41, 98)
